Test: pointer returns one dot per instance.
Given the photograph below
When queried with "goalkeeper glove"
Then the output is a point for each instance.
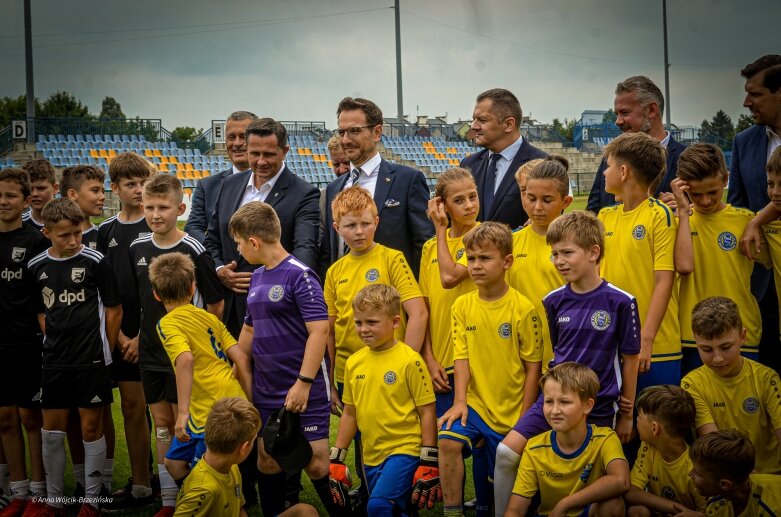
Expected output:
(426, 489)
(339, 478)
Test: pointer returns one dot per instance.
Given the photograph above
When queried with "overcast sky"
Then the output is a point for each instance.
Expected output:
(190, 62)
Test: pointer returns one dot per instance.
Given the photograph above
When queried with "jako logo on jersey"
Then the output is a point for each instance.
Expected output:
(638, 232)
(310, 428)
(78, 274)
(17, 254)
(10, 274)
(389, 377)
(276, 293)
(600, 320)
(750, 405)
(505, 330)
(586, 472)
(470, 328)
(727, 241)
(372, 275)
(563, 319)
(141, 262)
(343, 281)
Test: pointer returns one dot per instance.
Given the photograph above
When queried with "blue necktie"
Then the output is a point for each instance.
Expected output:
(490, 185)
(354, 176)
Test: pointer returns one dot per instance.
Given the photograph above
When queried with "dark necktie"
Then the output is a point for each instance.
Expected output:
(354, 174)
(490, 185)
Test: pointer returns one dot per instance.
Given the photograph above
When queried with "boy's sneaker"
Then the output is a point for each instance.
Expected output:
(87, 510)
(122, 492)
(165, 511)
(15, 508)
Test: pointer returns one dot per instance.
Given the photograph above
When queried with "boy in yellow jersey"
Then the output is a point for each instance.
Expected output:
(200, 348)
(640, 243)
(576, 468)
(660, 476)
(389, 398)
(706, 249)
(722, 463)
(497, 349)
(731, 391)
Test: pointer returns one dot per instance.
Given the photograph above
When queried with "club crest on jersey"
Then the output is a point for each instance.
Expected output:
(586, 472)
(600, 320)
(389, 377)
(78, 274)
(17, 254)
(750, 405)
(638, 232)
(668, 492)
(459, 254)
(48, 297)
(372, 275)
(727, 241)
(505, 330)
(276, 293)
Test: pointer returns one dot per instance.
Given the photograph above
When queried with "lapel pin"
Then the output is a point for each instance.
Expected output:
(387, 180)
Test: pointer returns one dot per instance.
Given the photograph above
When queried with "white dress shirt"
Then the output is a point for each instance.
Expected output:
(503, 163)
(251, 193)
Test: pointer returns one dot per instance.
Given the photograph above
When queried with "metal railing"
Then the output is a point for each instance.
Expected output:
(6, 140)
(151, 129)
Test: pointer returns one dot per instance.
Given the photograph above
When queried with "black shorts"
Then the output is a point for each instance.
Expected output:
(86, 388)
(121, 370)
(20, 380)
(158, 386)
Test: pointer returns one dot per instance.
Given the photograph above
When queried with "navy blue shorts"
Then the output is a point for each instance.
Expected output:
(661, 372)
(392, 479)
(445, 400)
(469, 435)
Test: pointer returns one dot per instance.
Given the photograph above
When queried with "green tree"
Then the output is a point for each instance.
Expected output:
(15, 108)
(110, 108)
(565, 129)
(63, 104)
(744, 122)
(609, 117)
(185, 133)
(720, 126)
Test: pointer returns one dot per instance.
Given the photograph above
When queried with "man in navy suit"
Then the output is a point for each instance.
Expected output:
(206, 190)
(400, 192)
(639, 105)
(751, 151)
(496, 123)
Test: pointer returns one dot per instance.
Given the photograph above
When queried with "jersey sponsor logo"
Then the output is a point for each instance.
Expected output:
(459, 253)
(276, 293)
(78, 274)
(727, 241)
(389, 377)
(586, 472)
(563, 319)
(719, 404)
(471, 328)
(360, 377)
(310, 428)
(372, 275)
(10, 274)
(608, 234)
(600, 320)
(343, 281)
(69, 297)
(751, 405)
(505, 330)
(43, 276)
(141, 262)
(771, 231)
(48, 297)
(668, 492)
(17, 254)
(548, 474)
(521, 255)
(638, 232)
(112, 243)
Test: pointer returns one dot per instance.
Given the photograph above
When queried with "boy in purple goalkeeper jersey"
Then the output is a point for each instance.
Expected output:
(591, 322)
(285, 332)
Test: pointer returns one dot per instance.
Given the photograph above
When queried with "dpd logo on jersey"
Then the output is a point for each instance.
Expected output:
(372, 275)
(727, 241)
(78, 274)
(10, 274)
(68, 297)
(638, 232)
(48, 297)
(17, 254)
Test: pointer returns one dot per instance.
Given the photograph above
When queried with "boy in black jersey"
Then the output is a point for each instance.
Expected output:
(128, 172)
(80, 312)
(83, 184)
(43, 186)
(20, 341)
(162, 201)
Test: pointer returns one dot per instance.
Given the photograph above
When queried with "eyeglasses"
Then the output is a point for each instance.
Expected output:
(352, 132)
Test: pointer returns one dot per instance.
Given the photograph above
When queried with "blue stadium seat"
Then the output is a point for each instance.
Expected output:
(141, 138)
(107, 185)
(134, 138)
(41, 138)
(97, 138)
(116, 138)
(125, 138)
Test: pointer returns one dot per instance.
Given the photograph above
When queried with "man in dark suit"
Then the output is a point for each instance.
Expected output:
(206, 190)
(639, 105)
(497, 128)
(400, 192)
(268, 180)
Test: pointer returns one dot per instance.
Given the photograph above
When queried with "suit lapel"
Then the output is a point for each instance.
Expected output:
(238, 190)
(509, 176)
(385, 178)
(280, 187)
(479, 174)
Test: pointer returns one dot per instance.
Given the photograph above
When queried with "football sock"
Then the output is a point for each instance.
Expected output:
(480, 474)
(19, 489)
(78, 473)
(507, 462)
(108, 473)
(38, 489)
(53, 449)
(323, 489)
(168, 489)
(271, 488)
(94, 463)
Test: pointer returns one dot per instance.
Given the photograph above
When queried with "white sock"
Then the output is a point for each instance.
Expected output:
(4, 479)
(108, 473)
(140, 491)
(54, 464)
(19, 489)
(78, 473)
(505, 470)
(168, 488)
(94, 462)
(38, 489)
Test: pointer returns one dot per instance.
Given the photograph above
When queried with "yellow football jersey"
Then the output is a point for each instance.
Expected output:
(207, 492)
(720, 270)
(386, 389)
(534, 276)
(772, 233)
(441, 300)
(764, 500)
(188, 328)
(637, 243)
(555, 475)
(496, 337)
(750, 401)
(350, 274)
(669, 480)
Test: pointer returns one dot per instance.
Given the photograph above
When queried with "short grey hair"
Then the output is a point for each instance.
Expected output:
(242, 115)
(645, 90)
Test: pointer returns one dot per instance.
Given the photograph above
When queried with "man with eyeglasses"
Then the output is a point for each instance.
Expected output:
(400, 192)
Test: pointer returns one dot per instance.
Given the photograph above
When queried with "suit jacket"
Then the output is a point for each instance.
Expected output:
(599, 199)
(202, 204)
(402, 198)
(747, 176)
(506, 207)
(296, 204)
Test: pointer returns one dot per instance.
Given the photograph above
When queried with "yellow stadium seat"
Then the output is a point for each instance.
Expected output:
(188, 191)
(173, 159)
(429, 150)
(196, 174)
(179, 167)
(94, 153)
(162, 167)
(148, 153)
(112, 153)
(164, 159)
(188, 166)
(180, 175)
(157, 153)
(102, 153)
(206, 173)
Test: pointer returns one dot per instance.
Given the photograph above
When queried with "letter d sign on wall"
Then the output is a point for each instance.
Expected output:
(19, 129)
